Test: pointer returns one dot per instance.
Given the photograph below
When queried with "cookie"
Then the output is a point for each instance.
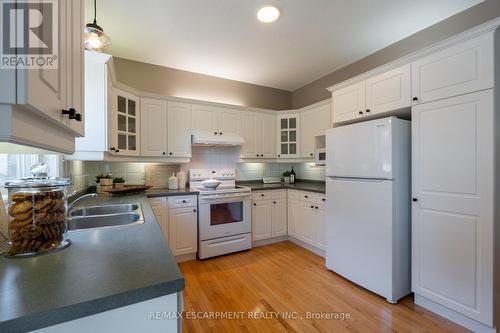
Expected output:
(20, 208)
(31, 232)
(20, 197)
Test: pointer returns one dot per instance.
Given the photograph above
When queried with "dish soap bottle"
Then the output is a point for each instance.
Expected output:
(292, 176)
(173, 182)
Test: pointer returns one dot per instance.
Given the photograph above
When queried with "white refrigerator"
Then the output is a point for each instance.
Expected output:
(368, 205)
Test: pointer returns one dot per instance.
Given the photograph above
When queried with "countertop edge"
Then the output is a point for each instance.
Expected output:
(80, 310)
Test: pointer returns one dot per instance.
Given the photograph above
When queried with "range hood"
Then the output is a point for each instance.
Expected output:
(214, 140)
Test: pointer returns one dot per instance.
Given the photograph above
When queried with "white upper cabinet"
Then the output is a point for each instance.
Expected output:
(456, 70)
(215, 121)
(289, 135)
(125, 116)
(153, 127)
(179, 129)
(349, 103)
(259, 132)
(389, 91)
(313, 122)
(453, 209)
(229, 122)
(268, 137)
(205, 120)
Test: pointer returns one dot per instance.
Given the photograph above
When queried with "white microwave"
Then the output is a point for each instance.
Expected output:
(320, 156)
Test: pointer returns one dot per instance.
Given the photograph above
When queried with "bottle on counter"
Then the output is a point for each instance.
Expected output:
(181, 175)
(173, 182)
(292, 176)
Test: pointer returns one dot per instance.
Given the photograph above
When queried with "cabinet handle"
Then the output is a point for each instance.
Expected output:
(112, 148)
(368, 110)
(414, 199)
(78, 117)
(360, 112)
(315, 207)
(71, 113)
(323, 199)
(415, 99)
(117, 150)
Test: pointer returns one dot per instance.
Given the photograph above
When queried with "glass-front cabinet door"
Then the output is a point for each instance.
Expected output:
(289, 136)
(126, 131)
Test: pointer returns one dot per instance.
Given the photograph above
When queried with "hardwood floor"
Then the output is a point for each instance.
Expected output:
(286, 279)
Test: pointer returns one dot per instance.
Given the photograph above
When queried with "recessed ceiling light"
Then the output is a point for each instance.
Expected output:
(268, 14)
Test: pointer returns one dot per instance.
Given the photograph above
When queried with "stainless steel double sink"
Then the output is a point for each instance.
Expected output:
(105, 216)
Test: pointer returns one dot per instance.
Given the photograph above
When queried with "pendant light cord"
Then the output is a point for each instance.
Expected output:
(95, 11)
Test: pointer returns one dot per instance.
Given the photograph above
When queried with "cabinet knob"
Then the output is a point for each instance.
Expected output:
(414, 199)
(261, 155)
(315, 207)
(220, 133)
(258, 155)
(311, 154)
(170, 153)
(194, 210)
(163, 153)
(254, 204)
(360, 112)
(117, 150)
(112, 148)
(306, 196)
(323, 199)
(368, 110)
(262, 194)
(279, 155)
(215, 133)
(183, 201)
(312, 206)
(274, 202)
(415, 99)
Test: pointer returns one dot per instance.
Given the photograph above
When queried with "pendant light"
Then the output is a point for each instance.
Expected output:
(94, 37)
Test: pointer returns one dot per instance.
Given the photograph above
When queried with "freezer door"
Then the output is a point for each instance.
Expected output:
(362, 150)
(359, 233)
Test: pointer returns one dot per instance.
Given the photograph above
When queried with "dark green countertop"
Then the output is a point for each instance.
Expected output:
(311, 186)
(103, 269)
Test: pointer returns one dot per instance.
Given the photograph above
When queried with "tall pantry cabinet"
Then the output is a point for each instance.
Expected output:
(454, 148)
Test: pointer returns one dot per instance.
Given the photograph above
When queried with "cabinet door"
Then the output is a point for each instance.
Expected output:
(252, 133)
(127, 124)
(267, 135)
(460, 69)
(261, 220)
(294, 209)
(160, 210)
(229, 122)
(45, 91)
(75, 68)
(452, 223)
(320, 231)
(348, 103)
(389, 91)
(183, 231)
(154, 127)
(204, 120)
(289, 136)
(306, 228)
(278, 218)
(312, 122)
(179, 129)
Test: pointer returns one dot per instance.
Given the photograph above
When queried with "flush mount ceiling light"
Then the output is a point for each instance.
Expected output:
(94, 37)
(268, 14)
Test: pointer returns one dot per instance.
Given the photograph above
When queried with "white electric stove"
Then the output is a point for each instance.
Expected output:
(225, 222)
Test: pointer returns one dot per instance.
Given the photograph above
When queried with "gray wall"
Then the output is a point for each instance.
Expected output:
(481, 13)
(179, 83)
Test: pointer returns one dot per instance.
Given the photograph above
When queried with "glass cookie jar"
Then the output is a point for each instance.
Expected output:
(37, 215)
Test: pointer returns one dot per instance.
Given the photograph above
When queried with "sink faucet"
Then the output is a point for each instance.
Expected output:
(77, 200)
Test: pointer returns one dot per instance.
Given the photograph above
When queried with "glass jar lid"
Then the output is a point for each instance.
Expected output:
(40, 179)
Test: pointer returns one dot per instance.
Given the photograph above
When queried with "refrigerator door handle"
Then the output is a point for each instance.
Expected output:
(366, 180)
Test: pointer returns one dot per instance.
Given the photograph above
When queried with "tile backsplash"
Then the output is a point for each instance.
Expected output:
(83, 174)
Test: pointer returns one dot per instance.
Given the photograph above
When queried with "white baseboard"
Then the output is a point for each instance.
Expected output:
(454, 316)
(269, 241)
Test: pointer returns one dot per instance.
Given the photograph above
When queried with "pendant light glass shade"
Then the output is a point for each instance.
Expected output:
(94, 38)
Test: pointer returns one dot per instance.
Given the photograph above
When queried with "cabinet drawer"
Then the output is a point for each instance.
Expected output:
(157, 201)
(261, 195)
(182, 201)
(293, 195)
(278, 194)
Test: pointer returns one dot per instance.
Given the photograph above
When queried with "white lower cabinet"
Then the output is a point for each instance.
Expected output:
(261, 220)
(453, 206)
(294, 209)
(320, 230)
(269, 215)
(178, 220)
(183, 230)
(307, 226)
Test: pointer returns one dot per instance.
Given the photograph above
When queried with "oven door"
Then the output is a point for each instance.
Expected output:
(224, 217)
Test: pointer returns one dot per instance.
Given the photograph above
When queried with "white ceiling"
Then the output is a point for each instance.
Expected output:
(223, 37)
